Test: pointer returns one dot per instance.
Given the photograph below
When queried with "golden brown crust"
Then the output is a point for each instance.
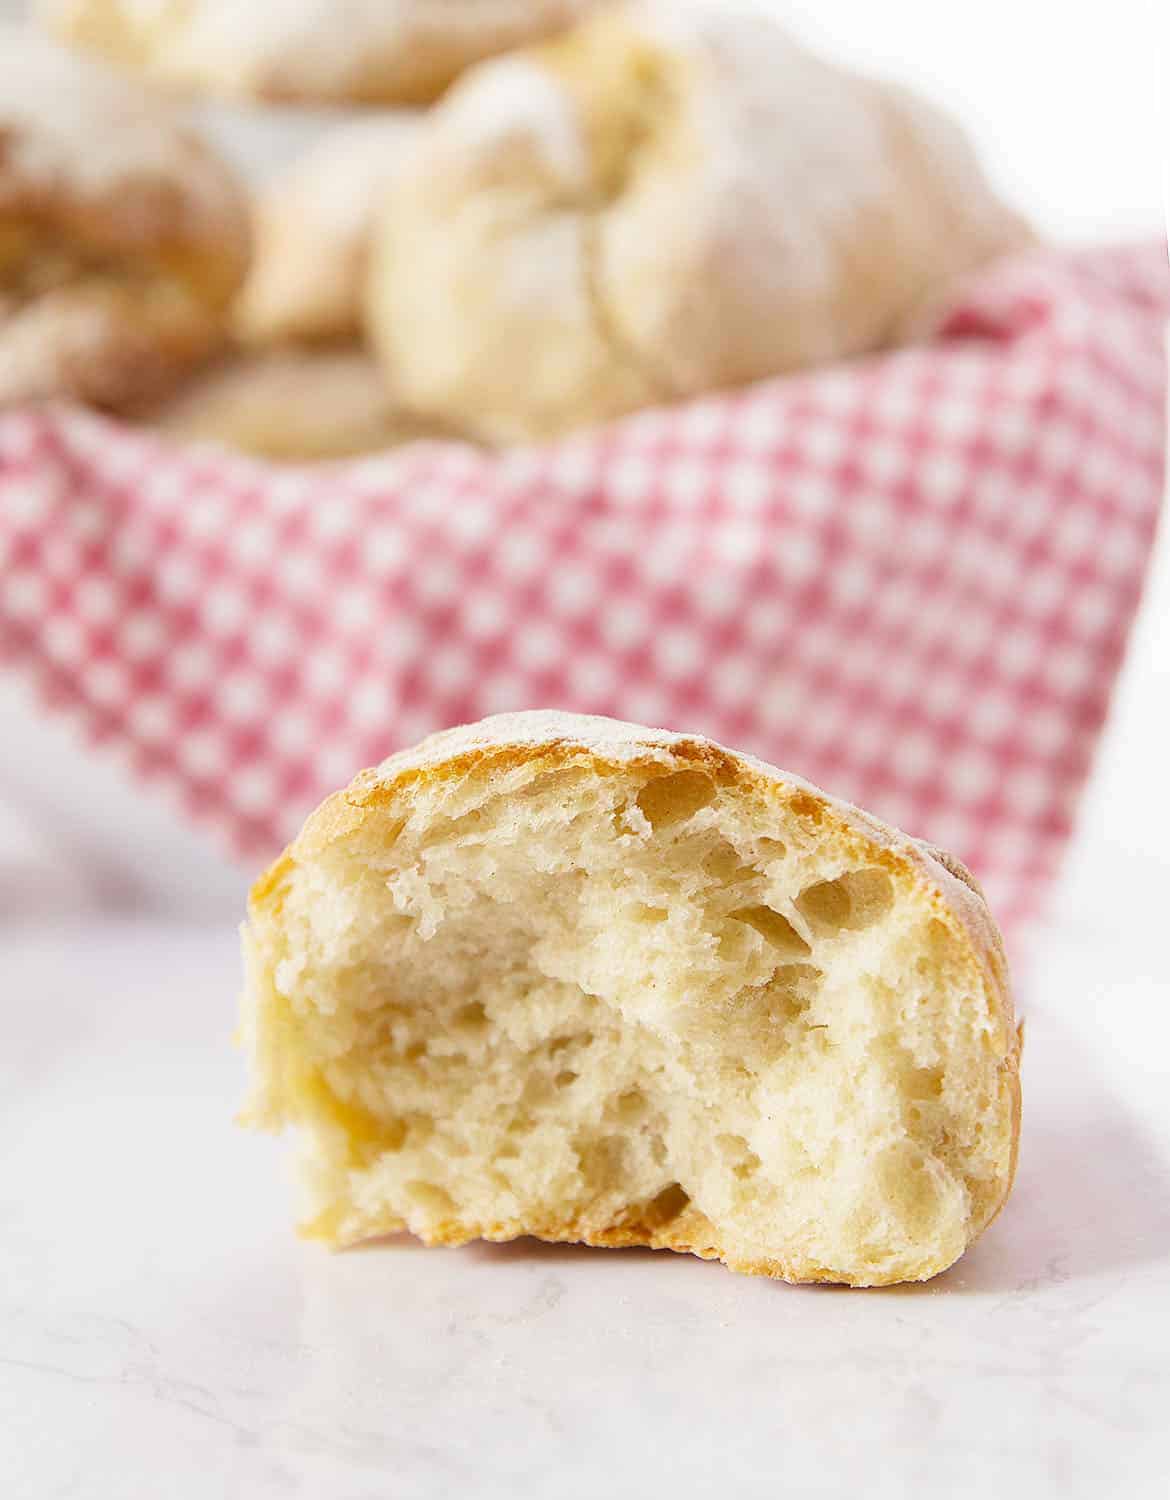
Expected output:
(550, 742)
(691, 1234)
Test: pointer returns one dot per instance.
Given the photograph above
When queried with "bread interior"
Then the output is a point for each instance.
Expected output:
(631, 1004)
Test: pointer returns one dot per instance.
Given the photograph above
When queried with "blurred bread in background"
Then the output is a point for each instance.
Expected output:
(123, 238)
(311, 231)
(659, 201)
(667, 200)
(296, 405)
(335, 51)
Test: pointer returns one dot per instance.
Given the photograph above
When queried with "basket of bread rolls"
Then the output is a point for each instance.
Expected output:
(601, 208)
(623, 359)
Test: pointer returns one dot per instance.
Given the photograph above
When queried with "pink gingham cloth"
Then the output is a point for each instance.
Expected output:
(909, 579)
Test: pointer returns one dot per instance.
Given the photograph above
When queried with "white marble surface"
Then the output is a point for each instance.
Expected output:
(162, 1332)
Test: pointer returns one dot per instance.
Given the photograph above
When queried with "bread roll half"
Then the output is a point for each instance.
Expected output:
(565, 977)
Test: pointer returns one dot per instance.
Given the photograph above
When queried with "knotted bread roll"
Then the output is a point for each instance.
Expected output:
(670, 199)
(123, 239)
(560, 976)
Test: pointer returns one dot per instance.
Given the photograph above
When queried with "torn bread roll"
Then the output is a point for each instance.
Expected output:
(293, 405)
(325, 51)
(311, 231)
(566, 977)
(123, 238)
(669, 200)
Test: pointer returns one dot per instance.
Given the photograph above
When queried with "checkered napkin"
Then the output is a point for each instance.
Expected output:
(909, 578)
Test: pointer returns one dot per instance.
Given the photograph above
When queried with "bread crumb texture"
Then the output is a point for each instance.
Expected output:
(568, 978)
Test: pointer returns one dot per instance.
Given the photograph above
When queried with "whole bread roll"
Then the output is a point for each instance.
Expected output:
(123, 238)
(567, 977)
(311, 231)
(329, 51)
(672, 198)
